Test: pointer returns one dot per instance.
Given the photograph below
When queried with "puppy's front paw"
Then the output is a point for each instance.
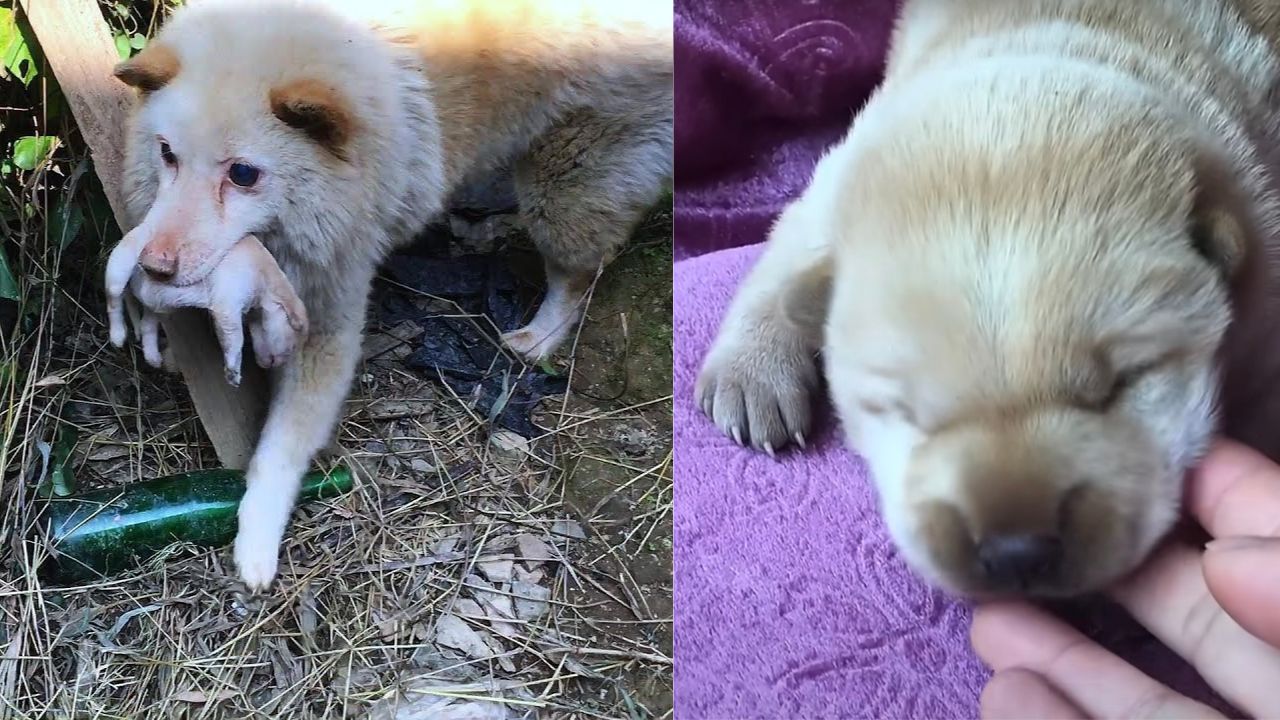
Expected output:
(757, 395)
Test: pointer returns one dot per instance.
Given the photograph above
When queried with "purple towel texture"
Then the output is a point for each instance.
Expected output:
(762, 86)
(791, 601)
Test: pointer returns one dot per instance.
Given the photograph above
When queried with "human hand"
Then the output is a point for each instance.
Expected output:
(1218, 608)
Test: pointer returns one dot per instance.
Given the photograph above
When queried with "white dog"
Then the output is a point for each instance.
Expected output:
(334, 130)
(1038, 271)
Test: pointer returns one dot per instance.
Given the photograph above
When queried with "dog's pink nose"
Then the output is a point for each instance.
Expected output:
(159, 264)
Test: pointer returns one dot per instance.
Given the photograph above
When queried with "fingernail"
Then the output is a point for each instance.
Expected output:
(1230, 544)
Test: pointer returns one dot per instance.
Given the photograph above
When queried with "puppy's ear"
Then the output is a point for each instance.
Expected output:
(806, 300)
(1222, 221)
(150, 69)
(318, 110)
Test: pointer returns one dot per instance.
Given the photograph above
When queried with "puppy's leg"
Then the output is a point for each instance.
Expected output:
(759, 377)
(121, 265)
(582, 188)
(305, 407)
(149, 328)
(283, 322)
(228, 324)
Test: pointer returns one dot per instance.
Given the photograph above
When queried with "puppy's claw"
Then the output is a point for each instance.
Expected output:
(737, 434)
(768, 449)
(799, 440)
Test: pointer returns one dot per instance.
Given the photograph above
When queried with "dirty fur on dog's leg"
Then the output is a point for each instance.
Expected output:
(758, 379)
(306, 406)
(580, 200)
(560, 310)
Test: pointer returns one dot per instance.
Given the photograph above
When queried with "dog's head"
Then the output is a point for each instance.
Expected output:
(245, 112)
(1030, 295)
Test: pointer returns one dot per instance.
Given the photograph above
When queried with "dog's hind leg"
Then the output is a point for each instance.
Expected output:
(305, 408)
(582, 188)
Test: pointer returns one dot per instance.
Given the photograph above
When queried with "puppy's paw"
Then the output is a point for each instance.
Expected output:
(232, 375)
(274, 338)
(759, 396)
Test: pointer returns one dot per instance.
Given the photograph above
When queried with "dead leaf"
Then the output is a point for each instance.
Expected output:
(109, 452)
(509, 442)
(568, 528)
(533, 550)
(498, 570)
(200, 696)
(530, 600)
(454, 632)
(50, 381)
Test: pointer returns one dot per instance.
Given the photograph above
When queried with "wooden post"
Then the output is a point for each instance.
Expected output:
(77, 43)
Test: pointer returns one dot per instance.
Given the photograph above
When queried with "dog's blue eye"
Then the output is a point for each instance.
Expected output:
(243, 175)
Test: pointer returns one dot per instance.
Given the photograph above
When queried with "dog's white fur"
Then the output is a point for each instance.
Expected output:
(362, 116)
(246, 280)
(1040, 271)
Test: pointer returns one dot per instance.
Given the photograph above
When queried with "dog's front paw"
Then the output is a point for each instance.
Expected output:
(759, 396)
(257, 548)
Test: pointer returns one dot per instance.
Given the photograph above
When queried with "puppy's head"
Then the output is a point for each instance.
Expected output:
(1023, 332)
(246, 112)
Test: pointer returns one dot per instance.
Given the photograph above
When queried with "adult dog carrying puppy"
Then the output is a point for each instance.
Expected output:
(1041, 270)
(334, 130)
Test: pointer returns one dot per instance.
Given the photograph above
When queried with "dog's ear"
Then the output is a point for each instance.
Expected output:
(1222, 221)
(316, 109)
(150, 69)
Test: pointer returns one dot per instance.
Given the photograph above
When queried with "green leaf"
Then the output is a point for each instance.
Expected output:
(16, 57)
(31, 151)
(123, 48)
(65, 222)
(8, 285)
(137, 42)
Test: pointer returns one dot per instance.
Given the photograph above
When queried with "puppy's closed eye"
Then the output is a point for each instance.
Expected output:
(1103, 393)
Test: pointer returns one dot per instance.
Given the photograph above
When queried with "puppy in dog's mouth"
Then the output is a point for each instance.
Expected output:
(1036, 273)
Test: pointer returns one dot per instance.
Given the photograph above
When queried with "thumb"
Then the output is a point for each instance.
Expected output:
(1243, 573)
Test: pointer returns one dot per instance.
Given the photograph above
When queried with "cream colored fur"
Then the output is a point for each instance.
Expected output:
(363, 116)
(1040, 271)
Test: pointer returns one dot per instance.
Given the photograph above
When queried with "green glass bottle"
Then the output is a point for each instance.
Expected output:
(97, 534)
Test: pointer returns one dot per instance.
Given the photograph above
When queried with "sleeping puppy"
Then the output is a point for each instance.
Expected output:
(1040, 272)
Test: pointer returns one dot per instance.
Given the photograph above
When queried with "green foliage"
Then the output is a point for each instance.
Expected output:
(17, 57)
(8, 284)
(32, 151)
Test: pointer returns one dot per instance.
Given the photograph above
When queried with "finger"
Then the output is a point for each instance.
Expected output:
(1016, 635)
(1236, 491)
(1244, 576)
(1019, 693)
(1169, 596)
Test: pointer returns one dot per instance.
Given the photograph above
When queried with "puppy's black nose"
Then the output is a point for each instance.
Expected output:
(1018, 560)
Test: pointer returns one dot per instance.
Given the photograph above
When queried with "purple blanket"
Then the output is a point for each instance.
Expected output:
(762, 86)
(790, 600)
